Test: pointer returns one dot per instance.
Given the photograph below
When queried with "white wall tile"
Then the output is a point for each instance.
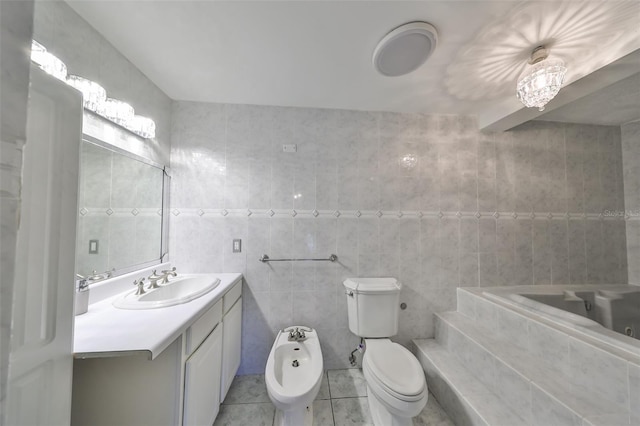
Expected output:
(230, 157)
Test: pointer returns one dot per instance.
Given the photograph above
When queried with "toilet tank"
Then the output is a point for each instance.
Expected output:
(372, 306)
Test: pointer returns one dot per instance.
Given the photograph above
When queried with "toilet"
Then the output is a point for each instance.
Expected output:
(293, 375)
(396, 386)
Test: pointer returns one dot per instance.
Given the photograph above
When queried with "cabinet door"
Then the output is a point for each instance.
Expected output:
(232, 323)
(202, 381)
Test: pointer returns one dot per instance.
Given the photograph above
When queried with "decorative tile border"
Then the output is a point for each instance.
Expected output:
(119, 212)
(461, 215)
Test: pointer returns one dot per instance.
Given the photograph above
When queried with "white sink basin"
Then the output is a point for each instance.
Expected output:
(181, 289)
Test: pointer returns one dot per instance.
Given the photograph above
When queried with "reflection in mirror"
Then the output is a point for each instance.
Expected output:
(120, 211)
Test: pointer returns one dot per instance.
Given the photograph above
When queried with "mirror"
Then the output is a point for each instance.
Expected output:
(120, 210)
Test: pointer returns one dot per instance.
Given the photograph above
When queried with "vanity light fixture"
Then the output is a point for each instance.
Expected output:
(48, 62)
(117, 111)
(142, 126)
(541, 80)
(94, 97)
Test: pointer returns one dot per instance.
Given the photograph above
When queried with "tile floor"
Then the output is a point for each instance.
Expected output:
(342, 400)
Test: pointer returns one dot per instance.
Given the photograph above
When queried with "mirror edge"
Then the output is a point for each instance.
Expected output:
(166, 186)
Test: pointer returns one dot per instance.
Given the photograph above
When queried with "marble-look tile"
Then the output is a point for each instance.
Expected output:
(254, 414)
(488, 269)
(322, 413)
(610, 420)
(247, 389)
(541, 253)
(549, 346)
(494, 411)
(466, 303)
(513, 389)
(351, 412)
(469, 235)
(432, 415)
(440, 330)
(332, 174)
(487, 235)
(486, 314)
(324, 393)
(577, 257)
(634, 389)
(347, 383)
(513, 328)
(479, 361)
(609, 380)
(546, 410)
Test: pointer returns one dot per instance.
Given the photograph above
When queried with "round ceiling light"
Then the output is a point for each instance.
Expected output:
(405, 49)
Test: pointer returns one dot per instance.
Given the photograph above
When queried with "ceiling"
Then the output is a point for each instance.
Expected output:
(616, 104)
(318, 53)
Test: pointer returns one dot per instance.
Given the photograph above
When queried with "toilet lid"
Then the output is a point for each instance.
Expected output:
(394, 367)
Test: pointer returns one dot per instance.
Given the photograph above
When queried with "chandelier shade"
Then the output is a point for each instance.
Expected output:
(541, 80)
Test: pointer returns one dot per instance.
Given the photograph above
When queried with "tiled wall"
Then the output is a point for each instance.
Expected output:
(16, 20)
(631, 163)
(427, 199)
(86, 53)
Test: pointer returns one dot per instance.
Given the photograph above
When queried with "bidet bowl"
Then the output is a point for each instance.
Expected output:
(293, 388)
(182, 289)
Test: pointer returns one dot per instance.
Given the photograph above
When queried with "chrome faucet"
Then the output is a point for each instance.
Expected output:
(153, 280)
(140, 284)
(296, 335)
(81, 282)
(95, 276)
(168, 272)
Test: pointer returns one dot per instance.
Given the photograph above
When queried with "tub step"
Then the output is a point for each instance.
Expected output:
(467, 400)
(541, 389)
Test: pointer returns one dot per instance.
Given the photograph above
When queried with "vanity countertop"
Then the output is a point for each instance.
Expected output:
(106, 331)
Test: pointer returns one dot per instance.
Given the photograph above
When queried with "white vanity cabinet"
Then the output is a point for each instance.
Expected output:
(202, 381)
(231, 336)
(184, 384)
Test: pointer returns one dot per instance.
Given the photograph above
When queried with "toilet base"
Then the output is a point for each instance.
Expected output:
(294, 417)
(383, 417)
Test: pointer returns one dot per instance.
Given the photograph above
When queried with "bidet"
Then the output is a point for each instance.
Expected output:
(293, 375)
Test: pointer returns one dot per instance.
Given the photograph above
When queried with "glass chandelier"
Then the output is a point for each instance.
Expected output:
(541, 81)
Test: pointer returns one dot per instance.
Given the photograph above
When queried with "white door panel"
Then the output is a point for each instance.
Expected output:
(40, 363)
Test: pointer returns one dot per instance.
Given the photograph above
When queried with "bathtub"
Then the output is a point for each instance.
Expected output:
(608, 313)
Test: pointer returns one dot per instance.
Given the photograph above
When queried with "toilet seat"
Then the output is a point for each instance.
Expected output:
(394, 369)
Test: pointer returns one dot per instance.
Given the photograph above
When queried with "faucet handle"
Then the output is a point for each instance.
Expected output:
(168, 271)
(140, 284)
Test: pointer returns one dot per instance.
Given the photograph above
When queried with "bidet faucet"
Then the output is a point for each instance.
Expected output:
(168, 272)
(296, 335)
